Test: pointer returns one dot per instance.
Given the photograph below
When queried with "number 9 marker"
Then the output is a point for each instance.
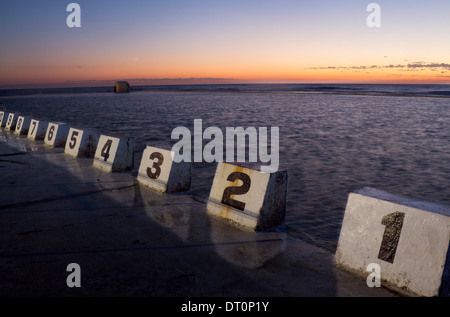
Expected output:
(3, 118)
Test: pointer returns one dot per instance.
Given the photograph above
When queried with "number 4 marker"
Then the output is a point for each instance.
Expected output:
(114, 154)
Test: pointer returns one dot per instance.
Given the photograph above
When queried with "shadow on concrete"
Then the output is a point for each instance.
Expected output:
(132, 242)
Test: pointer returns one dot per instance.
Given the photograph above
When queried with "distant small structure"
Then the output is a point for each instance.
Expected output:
(121, 87)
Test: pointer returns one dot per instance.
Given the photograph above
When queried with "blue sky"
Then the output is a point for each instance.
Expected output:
(246, 40)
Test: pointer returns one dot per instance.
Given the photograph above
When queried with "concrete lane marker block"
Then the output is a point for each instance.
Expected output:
(56, 134)
(408, 238)
(114, 154)
(23, 125)
(3, 118)
(11, 122)
(158, 171)
(81, 143)
(37, 130)
(248, 197)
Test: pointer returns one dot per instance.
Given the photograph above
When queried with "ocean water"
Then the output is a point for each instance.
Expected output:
(334, 139)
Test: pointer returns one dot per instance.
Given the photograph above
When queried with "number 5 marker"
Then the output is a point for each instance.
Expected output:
(248, 197)
(81, 143)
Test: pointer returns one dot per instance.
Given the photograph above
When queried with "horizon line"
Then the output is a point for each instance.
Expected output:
(140, 82)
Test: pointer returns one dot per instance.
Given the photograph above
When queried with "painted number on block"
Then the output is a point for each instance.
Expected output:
(10, 119)
(155, 170)
(236, 190)
(393, 226)
(19, 124)
(106, 149)
(73, 139)
(33, 127)
(51, 132)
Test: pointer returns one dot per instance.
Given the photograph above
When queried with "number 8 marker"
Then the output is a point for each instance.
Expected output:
(248, 197)
(408, 238)
(158, 171)
(114, 154)
(23, 124)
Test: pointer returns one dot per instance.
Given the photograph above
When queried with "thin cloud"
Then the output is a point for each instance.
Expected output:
(414, 65)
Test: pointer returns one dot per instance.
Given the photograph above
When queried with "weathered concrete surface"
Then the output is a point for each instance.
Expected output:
(256, 200)
(158, 171)
(132, 241)
(379, 227)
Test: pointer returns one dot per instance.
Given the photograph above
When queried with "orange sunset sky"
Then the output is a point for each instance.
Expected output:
(177, 42)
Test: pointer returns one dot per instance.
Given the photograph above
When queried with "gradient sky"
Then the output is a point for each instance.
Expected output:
(197, 41)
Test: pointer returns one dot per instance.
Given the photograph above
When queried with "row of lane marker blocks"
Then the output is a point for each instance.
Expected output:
(407, 238)
(246, 197)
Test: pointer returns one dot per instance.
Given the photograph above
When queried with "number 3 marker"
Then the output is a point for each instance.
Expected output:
(159, 172)
(248, 197)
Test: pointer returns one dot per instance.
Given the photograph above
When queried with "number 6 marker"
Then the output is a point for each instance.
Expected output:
(248, 197)
(408, 238)
(114, 154)
(159, 172)
(56, 135)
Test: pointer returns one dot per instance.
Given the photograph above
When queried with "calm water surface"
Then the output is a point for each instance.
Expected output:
(329, 144)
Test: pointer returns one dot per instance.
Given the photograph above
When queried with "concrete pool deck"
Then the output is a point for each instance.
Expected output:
(130, 241)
